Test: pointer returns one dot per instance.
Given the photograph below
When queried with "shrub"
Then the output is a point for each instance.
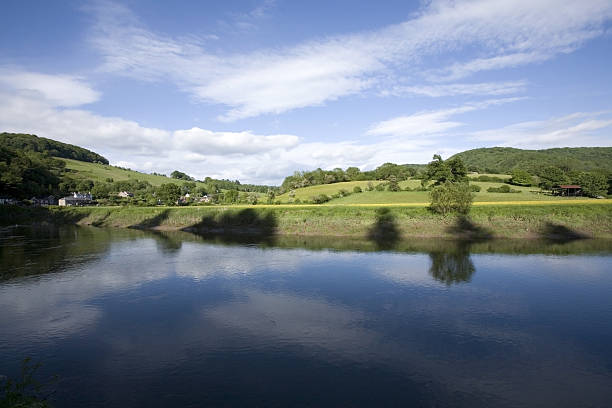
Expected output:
(297, 201)
(451, 197)
(343, 193)
(474, 188)
(370, 186)
(320, 199)
(357, 189)
(502, 189)
(380, 187)
(408, 188)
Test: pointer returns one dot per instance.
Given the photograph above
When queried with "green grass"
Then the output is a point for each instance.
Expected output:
(307, 193)
(518, 221)
(388, 197)
(100, 172)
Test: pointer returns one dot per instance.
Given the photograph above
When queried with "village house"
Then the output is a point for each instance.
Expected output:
(76, 199)
(125, 194)
(44, 201)
(8, 201)
(204, 199)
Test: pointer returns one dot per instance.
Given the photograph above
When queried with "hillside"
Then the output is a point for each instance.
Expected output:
(25, 143)
(505, 159)
(97, 172)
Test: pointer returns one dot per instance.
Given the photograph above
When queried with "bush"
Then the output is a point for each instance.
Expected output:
(408, 188)
(474, 188)
(502, 189)
(297, 201)
(380, 187)
(491, 179)
(357, 189)
(451, 197)
(343, 193)
(320, 199)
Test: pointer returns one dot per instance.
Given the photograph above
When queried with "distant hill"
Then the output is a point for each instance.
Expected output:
(504, 159)
(25, 142)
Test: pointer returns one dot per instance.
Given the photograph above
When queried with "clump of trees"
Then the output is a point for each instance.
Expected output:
(451, 192)
(385, 171)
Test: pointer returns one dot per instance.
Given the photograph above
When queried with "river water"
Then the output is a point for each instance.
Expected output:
(141, 319)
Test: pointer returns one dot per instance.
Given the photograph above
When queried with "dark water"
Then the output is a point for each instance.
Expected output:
(136, 319)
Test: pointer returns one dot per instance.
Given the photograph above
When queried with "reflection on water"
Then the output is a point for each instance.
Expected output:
(135, 318)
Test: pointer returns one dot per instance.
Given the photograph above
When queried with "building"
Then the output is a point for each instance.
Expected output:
(125, 194)
(204, 199)
(44, 201)
(8, 201)
(568, 190)
(76, 199)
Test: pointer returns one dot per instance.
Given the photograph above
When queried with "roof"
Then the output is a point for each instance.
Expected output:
(569, 186)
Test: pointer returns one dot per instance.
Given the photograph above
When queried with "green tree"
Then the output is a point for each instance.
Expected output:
(169, 193)
(521, 178)
(592, 184)
(441, 171)
(552, 176)
(392, 184)
(451, 197)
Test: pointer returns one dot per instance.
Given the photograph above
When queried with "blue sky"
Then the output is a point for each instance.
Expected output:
(254, 90)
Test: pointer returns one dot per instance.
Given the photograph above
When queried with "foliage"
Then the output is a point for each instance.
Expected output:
(179, 175)
(502, 189)
(31, 143)
(25, 391)
(169, 193)
(357, 189)
(451, 197)
(452, 170)
(320, 199)
(24, 174)
(392, 184)
(487, 178)
(592, 184)
(552, 176)
(503, 160)
(521, 178)
(475, 188)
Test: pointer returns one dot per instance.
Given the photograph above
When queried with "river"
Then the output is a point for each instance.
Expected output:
(145, 319)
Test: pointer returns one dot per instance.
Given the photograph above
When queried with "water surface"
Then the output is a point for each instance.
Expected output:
(131, 318)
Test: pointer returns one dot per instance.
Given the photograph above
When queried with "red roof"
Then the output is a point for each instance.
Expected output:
(569, 186)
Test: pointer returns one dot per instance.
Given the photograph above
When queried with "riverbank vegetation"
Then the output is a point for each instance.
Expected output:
(593, 219)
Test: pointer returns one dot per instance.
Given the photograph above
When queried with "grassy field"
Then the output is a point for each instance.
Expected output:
(405, 197)
(100, 172)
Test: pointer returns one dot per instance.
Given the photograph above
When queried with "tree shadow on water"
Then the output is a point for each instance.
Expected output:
(152, 222)
(558, 233)
(452, 264)
(384, 233)
(245, 226)
(468, 230)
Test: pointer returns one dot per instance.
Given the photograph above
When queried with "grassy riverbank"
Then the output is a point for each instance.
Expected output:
(593, 219)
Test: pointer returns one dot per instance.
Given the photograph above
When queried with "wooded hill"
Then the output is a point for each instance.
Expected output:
(30, 143)
(502, 160)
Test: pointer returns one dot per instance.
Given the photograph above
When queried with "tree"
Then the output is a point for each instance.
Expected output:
(521, 178)
(180, 175)
(592, 184)
(552, 176)
(169, 193)
(451, 197)
(271, 195)
(441, 171)
(392, 185)
(352, 173)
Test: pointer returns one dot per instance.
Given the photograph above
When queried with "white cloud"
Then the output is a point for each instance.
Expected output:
(57, 90)
(507, 34)
(428, 123)
(483, 88)
(207, 142)
(577, 129)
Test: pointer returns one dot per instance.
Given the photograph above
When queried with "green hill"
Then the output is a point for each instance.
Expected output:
(31, 143)
(96, 172)
(505, 159)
